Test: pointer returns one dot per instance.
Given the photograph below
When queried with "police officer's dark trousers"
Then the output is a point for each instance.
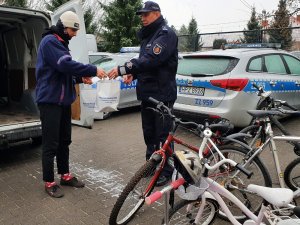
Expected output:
(56, 135)
(155, 129)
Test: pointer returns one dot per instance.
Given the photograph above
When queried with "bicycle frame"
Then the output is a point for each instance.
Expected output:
(217, 190)
(166, 150)
(214, 190)
(271, 140)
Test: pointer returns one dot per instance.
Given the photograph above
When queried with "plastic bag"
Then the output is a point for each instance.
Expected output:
(108, 96)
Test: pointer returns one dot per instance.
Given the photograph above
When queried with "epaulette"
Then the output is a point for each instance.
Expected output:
(164, 28)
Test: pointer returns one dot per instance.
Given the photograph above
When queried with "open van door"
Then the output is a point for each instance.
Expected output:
(82, 112)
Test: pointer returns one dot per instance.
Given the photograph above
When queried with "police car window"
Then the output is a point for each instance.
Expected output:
(274, 64)
(255, 65)
(203, 66)
(106, 63)
(94, 58)
(293, 64)
(109, 62)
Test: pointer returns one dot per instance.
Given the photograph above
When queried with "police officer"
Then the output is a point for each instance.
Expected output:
(155, 70)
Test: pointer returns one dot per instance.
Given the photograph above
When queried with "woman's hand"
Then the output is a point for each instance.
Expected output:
(87, 80)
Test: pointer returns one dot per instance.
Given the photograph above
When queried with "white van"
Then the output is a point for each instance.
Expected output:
(20, 34)
(91, 43)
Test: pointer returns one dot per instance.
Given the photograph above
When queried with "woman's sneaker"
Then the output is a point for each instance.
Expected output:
(54, 191)
(73, 182)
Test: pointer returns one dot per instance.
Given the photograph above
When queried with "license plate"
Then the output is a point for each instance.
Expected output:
(191, 90)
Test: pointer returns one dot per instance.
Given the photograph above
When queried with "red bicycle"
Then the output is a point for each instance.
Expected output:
(143, 182)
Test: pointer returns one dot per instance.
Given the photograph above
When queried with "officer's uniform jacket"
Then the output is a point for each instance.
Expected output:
(155, 69)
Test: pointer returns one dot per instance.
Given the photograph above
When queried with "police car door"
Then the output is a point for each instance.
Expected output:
(81, 115)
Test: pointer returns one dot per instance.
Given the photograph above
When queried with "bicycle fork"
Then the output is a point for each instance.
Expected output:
(201, 208)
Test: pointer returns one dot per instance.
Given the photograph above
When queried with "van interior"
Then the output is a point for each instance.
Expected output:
(20, 33)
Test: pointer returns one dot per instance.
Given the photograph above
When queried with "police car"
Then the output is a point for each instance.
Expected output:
(219, 82)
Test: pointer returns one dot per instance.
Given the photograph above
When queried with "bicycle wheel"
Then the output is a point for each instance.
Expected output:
(184, 212)
(236, 182)
(133, 196)
(292, 174)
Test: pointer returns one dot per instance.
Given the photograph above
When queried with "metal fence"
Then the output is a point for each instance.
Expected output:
(205, 41)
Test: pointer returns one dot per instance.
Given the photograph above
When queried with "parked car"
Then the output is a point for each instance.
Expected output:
(219, 82)
(128, 91)
(91, 43)
(94, 56)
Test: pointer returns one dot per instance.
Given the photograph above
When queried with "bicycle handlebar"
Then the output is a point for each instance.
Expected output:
(260, 89)
(154, 101)
(285, 111)
(231, 162)
(158, 194)
(160, 106)
(271, 99)
(199, 127)
(289, 106)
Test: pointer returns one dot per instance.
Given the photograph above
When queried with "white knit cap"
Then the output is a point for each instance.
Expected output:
(70, 19)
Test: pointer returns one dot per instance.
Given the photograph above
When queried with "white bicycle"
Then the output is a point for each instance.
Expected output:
(205, 195)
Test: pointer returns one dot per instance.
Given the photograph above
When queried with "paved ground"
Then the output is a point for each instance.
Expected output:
(105, 157)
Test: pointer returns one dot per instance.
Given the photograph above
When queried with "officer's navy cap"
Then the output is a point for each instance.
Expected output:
(148, 6)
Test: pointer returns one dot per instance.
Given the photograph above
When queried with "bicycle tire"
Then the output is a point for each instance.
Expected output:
(248, 128)
(260, 177)
(179, 215)
(252, 130)
(292, 174)
(142, 178)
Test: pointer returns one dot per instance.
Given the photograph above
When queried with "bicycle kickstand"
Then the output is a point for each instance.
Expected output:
(166, 197)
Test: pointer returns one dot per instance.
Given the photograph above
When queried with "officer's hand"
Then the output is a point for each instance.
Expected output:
(113, 73)
(87, 80)
(127, 79)
(101, 73)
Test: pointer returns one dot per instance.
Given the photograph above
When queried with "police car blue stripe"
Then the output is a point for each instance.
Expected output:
(280, 86)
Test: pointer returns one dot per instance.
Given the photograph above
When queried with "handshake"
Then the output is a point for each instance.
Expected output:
(127, 79)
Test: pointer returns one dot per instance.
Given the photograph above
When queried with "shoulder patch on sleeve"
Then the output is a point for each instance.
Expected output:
(157, 49)
(129, 65)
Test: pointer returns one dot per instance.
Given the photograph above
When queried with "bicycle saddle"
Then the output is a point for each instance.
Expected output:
(289, 222)
(275, 196)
